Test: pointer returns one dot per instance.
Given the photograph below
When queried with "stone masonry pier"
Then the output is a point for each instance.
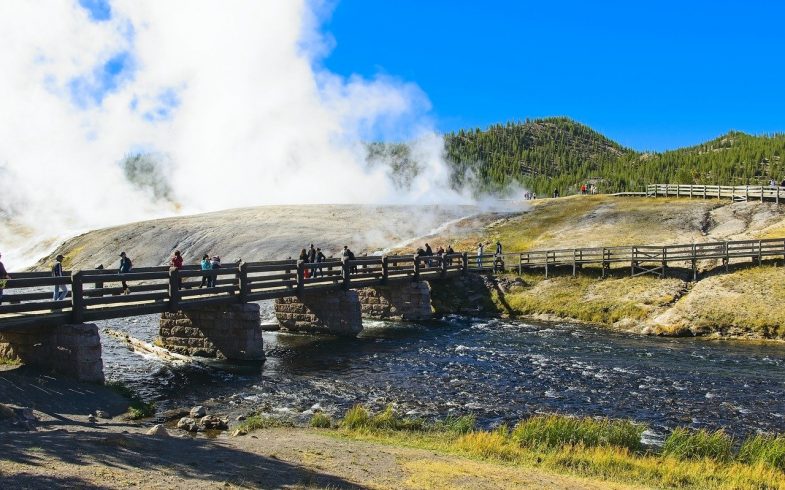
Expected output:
(73, 349)
(226, 331)
(341, 312)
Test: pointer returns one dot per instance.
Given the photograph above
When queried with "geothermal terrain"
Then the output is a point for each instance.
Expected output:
(260, 233)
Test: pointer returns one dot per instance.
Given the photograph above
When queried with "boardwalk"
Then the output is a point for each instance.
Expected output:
(642, 259)
(735, 193)
(97, 294)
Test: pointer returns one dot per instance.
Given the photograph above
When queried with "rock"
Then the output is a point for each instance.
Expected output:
(239, 432)
(157, 430)
(213, 422)
(102, 415)
(6, 412)
(187, 423)
(27, 414)
(91, 418)
(240, 418)
(198, 412)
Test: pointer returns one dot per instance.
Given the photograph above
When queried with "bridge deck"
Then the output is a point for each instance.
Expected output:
(98, 294)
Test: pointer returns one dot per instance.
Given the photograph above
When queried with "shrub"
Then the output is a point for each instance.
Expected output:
(769, 450)
(356, 417)
(457, 425)
(553, 431)
(321, 420)
(689, 444)
(256, 422)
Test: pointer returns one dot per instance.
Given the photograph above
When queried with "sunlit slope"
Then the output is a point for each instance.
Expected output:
(259, 233)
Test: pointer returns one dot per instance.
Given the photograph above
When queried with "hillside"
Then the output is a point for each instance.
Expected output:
(558, 153)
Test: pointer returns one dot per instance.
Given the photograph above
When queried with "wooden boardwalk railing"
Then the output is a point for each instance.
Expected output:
(735, 193)
(97, 294)
(642, 259)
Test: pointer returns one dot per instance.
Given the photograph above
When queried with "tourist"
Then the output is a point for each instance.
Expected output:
(319, 259)
(428, 253)
(176, 261)
(61, 290)
(125, 268)
(4, 277)
(312, 254)
(448, 253)
(206, 268)
(479, 255)
(303, 258)
(583, 189)
(772, 183)
(348, 255)
(498, 247)
(555, 193)
(215, 264)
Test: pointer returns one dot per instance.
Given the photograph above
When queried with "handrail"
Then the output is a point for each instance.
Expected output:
(737, 193)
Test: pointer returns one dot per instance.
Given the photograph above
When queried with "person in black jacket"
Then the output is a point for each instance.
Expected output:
(61, 291)
(125, 268)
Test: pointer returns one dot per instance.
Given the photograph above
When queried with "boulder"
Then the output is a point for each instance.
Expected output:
(187, 423)
(91, 418)
(157, 430)
(27, 414)
(102, 415)
(198, 412)
(213, 422)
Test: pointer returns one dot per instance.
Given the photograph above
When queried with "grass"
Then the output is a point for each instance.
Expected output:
(687, 444)
(765, 449)
(9, 361)
(548, 431)
(320, 420)
(137, 408)
(600, 449)
(257, 422)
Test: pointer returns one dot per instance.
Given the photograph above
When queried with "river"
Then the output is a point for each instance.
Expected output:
(499, 370)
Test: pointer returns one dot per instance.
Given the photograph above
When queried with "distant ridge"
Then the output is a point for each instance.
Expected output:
(559, 153)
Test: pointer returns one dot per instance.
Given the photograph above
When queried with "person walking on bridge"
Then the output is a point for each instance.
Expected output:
(177, 262)
(480, 248)
(206, 267)
(312, 254)
(215, 264)
(61, 290)
(317, 271)
(447, 254)
(125, 268)
(4, 277)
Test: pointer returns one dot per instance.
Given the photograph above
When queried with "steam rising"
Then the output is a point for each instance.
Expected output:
(219, 104)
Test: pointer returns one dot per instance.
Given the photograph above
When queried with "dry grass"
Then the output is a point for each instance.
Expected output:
(744, 302)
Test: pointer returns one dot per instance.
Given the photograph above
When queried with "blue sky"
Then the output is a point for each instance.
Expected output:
(651, 75)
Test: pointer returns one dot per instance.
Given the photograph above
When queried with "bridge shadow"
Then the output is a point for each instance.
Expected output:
(187, 458)
(58, 397)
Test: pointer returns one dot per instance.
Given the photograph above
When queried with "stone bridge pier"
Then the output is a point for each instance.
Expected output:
(226, 332)
(73, 350)
(341, 312)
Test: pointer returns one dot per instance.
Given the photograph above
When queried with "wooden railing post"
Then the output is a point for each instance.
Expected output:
(300, 277)
(465, 261)
(444, 266)
(242, 280)
(385, 270)
(761, 193)
(416, 277)
(694, 264)
(174, 289)
(346, 272)
(760, 252)
(77, 297)
(664, 262)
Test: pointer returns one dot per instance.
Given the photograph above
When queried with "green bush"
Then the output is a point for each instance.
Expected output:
(553, 431)
(321, 420)
(256, 422)
(457, 425)
(356, 417)
(691, 444)
(769, 450)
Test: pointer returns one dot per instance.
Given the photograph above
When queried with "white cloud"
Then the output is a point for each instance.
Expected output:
(230, 92)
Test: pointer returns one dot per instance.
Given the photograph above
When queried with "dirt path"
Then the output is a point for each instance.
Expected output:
(275, 458)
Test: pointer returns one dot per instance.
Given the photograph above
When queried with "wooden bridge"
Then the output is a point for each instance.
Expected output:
(735, 193)
(97, 294)
(641, 259)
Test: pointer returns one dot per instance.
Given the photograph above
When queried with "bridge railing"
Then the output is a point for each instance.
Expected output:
(100, 294)
(736, 193)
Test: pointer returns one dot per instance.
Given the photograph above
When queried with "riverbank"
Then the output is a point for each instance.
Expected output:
(741, 304)
(386, 451)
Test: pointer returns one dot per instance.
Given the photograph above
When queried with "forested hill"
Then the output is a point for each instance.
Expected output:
(558, 153)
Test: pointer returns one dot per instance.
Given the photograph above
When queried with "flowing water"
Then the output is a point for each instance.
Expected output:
(499, 370)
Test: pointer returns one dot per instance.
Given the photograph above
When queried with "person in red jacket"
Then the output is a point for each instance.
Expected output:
(177, 263)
